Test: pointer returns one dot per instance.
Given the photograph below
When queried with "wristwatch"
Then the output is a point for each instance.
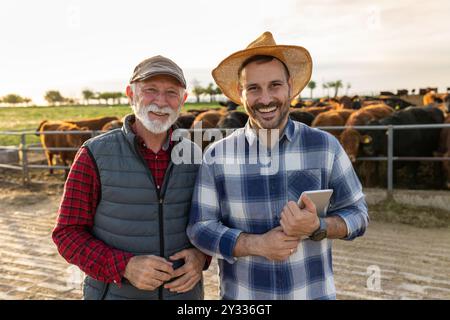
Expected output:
(321, 232)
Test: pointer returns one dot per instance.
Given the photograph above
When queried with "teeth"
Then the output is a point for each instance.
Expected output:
(159, 114)
(267, 110)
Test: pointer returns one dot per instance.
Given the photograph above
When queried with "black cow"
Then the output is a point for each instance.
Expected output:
(302, 116)
(185, 121)
(234, 119)
(407, 143)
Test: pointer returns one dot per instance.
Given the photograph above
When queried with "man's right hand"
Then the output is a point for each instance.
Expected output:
(148, 272)
(276, 245)
(273, 245)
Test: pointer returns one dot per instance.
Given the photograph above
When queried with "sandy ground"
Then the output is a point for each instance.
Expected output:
(413, 263)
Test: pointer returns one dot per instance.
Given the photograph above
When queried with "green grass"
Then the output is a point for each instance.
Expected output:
(418, 216)
(28, 118)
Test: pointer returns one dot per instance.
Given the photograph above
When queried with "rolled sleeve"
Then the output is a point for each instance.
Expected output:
(205, 229)
(348, 201)
(355, 217)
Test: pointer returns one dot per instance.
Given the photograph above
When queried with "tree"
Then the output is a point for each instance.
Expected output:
(312, 86)
(325, 87)
(53, 97)
(330, 85)
(87, 95)
(12, 99)
(337, 85)
(27, 101)
(211, 91)
(197, 91)
(348, 88)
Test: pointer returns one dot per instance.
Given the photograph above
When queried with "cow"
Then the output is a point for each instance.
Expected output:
(302, 116)
(333, 118)
(351, 138)
(93, 123)
(233, 119)
(61, 140)
(407, 143)
(316, 110)
(185, 120)
(115, 124)
(444, 151)
(208, 119)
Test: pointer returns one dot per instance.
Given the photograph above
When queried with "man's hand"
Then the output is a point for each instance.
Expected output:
(148, 272)
(190, 273)
(276, 245)
(273, 245)
(298, 222)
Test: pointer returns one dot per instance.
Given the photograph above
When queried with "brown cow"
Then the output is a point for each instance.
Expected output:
(208, 119)
(115, 124)
(316, 110)
(351, 138)
(333, 118)
(94, 123)
(61, 141)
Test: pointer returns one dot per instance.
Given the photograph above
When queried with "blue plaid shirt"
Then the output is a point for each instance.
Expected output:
(234, 194)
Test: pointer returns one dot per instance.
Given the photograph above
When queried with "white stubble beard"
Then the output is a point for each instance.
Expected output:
(155, 126)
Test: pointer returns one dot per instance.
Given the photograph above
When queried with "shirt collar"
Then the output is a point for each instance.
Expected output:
(288, 132)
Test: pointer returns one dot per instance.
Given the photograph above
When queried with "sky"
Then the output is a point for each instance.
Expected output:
(78, 44)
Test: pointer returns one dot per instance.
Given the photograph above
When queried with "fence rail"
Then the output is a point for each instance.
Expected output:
(24, 166)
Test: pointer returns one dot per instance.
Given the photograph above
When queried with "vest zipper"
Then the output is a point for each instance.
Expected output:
(160, 194)
(161, 237)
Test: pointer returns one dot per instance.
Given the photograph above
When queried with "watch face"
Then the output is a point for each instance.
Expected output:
(320, 235)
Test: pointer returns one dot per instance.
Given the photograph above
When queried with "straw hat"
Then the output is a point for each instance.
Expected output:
(297, 59)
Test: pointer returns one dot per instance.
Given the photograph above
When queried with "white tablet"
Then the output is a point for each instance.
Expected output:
(321, 199)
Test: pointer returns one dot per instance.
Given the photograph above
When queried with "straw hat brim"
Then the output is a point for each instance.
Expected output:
(297, 59)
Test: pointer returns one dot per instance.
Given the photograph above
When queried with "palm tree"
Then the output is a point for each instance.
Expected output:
(312, 86)
(330, 85)
(338, 84)
(325, 87)
(348, 88)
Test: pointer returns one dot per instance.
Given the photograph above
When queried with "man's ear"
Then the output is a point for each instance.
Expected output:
(129, 94)
(185, 97)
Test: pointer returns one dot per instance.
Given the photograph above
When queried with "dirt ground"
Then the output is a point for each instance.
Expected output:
(413, 263)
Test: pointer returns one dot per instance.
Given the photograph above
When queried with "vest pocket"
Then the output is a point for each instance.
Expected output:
(94, 290)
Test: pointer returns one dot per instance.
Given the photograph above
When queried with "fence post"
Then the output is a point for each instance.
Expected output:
(390, 164)
(24, 159)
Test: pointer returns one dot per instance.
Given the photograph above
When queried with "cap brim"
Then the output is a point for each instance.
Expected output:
(297, 59)
(157, 73)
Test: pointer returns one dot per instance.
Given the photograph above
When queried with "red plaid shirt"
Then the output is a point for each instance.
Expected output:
(76, 214)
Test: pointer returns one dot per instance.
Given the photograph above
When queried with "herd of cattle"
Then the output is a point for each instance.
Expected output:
(323, 113)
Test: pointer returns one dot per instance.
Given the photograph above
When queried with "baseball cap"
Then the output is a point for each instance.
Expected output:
(157, 65)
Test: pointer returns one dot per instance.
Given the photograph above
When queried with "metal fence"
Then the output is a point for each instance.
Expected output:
(25, 166)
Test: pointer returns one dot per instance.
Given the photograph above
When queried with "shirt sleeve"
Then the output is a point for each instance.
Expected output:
(348, 200)
(72, 233)
(205, 229)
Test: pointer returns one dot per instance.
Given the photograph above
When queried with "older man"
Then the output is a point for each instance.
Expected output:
(123, 215)
(245, 211)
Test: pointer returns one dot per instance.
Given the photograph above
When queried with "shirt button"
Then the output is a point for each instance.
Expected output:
(157, 187)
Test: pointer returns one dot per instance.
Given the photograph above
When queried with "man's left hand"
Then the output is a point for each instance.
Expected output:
(298, 222)
(188, 274)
